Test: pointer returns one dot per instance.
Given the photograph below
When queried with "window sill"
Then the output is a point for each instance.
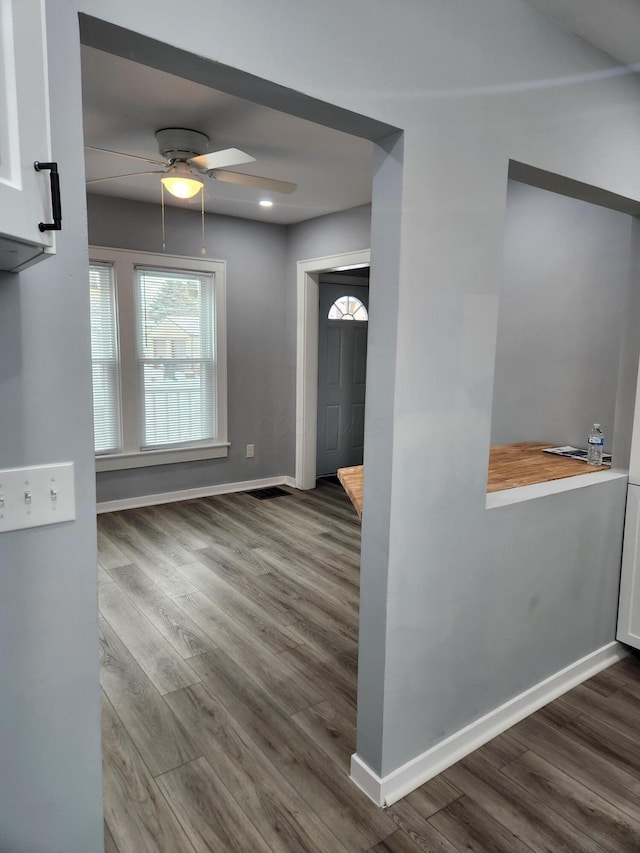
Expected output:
(147, 458)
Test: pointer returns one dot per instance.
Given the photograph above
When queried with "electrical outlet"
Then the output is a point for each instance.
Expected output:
(251, 451)
(38, 495)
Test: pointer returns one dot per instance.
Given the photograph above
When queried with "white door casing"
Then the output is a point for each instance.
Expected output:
(307, 358)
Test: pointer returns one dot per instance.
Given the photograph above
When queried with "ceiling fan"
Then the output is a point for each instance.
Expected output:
(186, 156)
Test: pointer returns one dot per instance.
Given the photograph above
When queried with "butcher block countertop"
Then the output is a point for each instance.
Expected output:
(513, 465)
(351, 479)
(510, 466)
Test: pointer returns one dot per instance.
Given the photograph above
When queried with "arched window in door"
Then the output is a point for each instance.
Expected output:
(348, 308)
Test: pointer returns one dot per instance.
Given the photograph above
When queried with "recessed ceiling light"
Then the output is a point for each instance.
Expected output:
(265, 203)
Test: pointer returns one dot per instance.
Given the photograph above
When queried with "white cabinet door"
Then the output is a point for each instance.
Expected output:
(25, 197)
(629, 607)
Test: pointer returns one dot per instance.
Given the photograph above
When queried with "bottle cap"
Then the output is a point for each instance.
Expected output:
(596, 426)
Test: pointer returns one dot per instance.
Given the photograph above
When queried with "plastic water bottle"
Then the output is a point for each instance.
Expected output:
(596, 445)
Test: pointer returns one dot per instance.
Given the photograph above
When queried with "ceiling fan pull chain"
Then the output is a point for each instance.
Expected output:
(162, 196)
(203, 251)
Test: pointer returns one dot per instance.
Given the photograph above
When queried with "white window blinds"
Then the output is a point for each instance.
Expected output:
(176, 350)
(104, 359)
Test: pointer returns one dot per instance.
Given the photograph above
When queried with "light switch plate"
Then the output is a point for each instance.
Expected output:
(38, 495)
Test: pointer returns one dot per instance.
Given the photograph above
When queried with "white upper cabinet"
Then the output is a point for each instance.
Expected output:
(25, 194)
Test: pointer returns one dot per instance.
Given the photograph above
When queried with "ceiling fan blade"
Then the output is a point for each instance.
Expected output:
(219, 159)
(253, 181)
(123, 154)
(128, 175)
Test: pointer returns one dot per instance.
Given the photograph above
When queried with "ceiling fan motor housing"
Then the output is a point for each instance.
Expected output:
(178, 143)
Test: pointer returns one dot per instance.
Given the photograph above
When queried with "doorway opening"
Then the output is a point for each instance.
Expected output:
(342, 370)
(260, 596)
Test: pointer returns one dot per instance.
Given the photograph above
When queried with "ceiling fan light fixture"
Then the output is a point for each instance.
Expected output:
(181, 183)
(182, 187)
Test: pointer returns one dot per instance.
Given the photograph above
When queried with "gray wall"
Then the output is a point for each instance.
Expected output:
(384, 287)
(260, 402)
(335, 234)
(560, 320)
(261, 324)
(50, 782)
(463, 625)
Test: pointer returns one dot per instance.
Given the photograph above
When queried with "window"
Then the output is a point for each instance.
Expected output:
(161, 396)
(348, 308)
(104, 359)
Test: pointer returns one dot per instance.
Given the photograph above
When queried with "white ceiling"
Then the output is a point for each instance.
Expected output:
(125, 103)
(611, 25)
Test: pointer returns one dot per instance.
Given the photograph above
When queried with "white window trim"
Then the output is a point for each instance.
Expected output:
(124, 262)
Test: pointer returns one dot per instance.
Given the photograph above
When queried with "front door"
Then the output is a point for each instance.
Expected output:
(342, 368)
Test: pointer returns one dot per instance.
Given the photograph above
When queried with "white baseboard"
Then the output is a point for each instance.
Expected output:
(188, 494)
(369, 781)
(386, 790)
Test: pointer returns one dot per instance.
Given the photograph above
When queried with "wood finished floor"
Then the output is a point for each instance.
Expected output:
(228, 670)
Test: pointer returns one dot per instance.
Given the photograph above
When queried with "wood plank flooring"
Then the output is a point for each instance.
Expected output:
(228, 669)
